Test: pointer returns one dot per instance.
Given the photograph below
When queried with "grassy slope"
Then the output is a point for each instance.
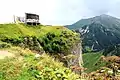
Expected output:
(25, 66)
(92, 61)
(18, 30)
(62, 38)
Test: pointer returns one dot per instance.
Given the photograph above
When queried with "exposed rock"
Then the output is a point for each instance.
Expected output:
(77, 51)
(77, 61)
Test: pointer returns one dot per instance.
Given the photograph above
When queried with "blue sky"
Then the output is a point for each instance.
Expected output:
(58, 12)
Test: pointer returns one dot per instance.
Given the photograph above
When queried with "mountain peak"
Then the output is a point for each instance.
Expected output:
(104, 19)
(104, 16)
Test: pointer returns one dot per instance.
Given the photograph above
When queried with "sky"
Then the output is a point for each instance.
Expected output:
(58, 12)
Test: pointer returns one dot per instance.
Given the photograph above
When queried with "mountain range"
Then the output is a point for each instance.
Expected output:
(98, 33)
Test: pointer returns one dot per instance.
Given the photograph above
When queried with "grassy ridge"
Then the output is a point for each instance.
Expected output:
(53, 39)
(18, 30)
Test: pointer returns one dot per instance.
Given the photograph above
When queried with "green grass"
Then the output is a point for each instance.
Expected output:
(46, 36)
(18, 30)
(25, 66)
(92, 61)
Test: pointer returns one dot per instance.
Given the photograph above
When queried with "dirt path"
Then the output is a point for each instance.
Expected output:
(4, 54)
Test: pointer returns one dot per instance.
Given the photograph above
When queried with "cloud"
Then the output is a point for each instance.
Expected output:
(58, 12)
(98, 7)
(45, 8)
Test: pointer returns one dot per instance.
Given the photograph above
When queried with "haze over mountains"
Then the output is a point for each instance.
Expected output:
(99, 32)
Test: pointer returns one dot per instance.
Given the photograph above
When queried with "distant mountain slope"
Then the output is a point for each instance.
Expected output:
(112, 50)
(98, 37)
(98, 32)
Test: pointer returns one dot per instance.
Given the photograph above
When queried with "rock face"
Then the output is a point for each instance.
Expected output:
(77, 61)
(75, 58)
(77, 53)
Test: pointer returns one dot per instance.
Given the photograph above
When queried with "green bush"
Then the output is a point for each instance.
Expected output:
(50, 43)
(59, 44)
(4, 45)
(30, 42)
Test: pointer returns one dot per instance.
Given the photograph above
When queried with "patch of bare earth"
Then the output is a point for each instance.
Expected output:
(4, 54)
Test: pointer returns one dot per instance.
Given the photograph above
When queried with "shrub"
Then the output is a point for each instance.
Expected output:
(4, 45)
(51, 42)
(31, 68)
(59, 43)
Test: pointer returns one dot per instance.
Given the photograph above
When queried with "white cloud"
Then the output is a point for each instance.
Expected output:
(45, 8)
(58, 11)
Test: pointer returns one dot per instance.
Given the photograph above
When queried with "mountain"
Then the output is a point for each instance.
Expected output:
(98, 32)
(112, 50)
(102, 19)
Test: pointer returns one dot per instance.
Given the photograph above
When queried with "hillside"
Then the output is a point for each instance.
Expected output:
(53, 39)
(99, 32)
(97, 37)
(26, 65)
(112, 50)
(18, 30)
(92, 61)
(28, 51)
